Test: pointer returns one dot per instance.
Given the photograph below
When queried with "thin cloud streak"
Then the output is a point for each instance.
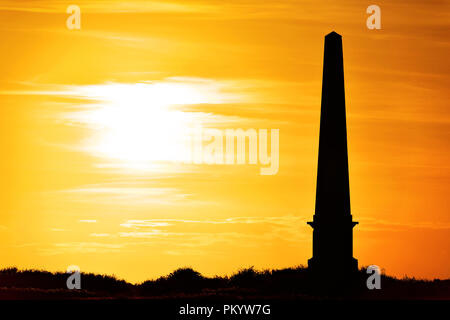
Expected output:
(105, 6)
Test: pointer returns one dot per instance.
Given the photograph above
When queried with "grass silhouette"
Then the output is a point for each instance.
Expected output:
(289, 283)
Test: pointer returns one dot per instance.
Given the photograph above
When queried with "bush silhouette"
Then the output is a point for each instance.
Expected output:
(186, 282)
(181, 280)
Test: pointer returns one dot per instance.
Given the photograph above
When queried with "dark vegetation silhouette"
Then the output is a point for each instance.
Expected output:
(290, 283)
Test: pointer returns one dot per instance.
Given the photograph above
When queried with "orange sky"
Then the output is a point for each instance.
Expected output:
(88, 118)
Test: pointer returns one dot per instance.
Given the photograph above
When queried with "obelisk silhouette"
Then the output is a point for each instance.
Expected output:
(332, 222)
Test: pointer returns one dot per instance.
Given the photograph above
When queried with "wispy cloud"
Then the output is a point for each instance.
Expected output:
(107, 6)
(143, 223)
(208, 231)
(87, 221)
(127, 195)
(372, 224)
(100, 235)
(283, 220)
(80, 247)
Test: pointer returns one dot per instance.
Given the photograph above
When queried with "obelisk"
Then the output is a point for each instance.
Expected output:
(332, 222)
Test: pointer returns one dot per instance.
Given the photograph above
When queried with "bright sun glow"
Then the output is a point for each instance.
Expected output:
(139, 124)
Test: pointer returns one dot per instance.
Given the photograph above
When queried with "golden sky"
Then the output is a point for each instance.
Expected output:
(90, 120)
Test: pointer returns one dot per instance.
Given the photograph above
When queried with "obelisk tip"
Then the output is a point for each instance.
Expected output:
(333, 34)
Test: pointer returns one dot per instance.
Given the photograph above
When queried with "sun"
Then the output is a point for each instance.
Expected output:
(138, 125)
